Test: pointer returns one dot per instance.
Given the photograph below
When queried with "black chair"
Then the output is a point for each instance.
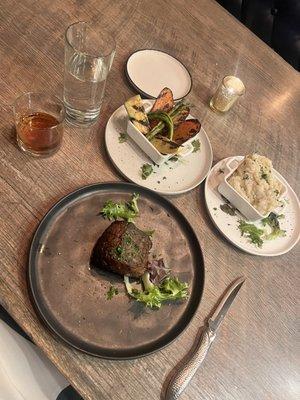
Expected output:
(276, 22)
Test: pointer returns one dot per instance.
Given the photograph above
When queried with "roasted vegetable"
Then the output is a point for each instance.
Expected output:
(186, 130)
(137, 114)
(164, 117)
(181, 114)
(177, 114)
(164, 101)
(164, 145)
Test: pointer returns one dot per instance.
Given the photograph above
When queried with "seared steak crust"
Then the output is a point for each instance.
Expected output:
(123, 249)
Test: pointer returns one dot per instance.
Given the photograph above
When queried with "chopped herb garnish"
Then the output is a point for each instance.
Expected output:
(265, 177)
(174, 158)
(215, 208)
(245, 177)
(196, 145)
(147, 170)
(127, 240)
(123, 137)
(113, 291)
(150, 233)
(228, 209)
(252, 232)
(119, 250)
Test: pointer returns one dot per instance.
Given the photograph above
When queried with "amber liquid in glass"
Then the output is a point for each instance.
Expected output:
(39, 133)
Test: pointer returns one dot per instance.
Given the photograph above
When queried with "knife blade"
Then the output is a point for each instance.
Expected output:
(186, 371)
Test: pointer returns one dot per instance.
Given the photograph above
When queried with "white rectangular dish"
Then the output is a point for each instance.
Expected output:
(151, 151)
(238, 201)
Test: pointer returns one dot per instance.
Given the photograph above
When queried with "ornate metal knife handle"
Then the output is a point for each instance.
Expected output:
(182, 378)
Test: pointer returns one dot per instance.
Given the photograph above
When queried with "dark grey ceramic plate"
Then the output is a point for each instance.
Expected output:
(71, 298)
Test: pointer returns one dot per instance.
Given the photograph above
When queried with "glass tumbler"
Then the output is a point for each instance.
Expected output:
(89, 53)
(230, 89)
(39, 121)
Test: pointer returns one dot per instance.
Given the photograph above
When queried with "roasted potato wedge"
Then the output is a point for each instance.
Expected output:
(183, 113)
(180, 116)
(186, 130)
(164, 101)
(164, 145)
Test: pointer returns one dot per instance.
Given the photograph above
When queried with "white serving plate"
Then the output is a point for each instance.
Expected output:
(236, 199)
(169, 178)
(149, 70)
(228, 225)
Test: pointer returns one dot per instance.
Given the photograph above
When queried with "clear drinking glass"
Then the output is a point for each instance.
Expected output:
(89, 53)
(230, 89)
(39, 123)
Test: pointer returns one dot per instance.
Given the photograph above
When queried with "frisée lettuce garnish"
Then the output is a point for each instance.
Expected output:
(126, 211)
(153, 295)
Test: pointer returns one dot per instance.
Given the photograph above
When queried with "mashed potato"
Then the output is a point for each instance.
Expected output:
(254, 180)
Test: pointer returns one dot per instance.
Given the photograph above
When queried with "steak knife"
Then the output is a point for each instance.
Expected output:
(186, 371)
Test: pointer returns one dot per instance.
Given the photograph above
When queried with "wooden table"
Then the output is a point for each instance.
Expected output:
(254, 355)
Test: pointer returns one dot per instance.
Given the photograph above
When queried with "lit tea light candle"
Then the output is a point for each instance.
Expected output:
(230, 89)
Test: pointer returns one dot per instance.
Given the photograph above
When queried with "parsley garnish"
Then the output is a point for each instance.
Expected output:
(264, 176)
(196, 145)
(119, 250)
(228, 209)
(111, 292)
(123, 137)
(150, 233)
(147, 170)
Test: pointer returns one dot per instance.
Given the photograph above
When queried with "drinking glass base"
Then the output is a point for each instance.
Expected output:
(81, 118)
(37, 154)
(216, 110)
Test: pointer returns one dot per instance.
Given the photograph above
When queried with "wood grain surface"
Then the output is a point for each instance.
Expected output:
(254, 356)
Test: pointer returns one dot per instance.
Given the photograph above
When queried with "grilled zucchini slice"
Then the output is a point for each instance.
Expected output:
(137, 114)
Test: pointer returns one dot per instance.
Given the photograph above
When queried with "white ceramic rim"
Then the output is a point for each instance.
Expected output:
(147, 95)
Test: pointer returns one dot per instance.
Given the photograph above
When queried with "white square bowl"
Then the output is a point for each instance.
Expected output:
(236, 199)
(151, 151)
